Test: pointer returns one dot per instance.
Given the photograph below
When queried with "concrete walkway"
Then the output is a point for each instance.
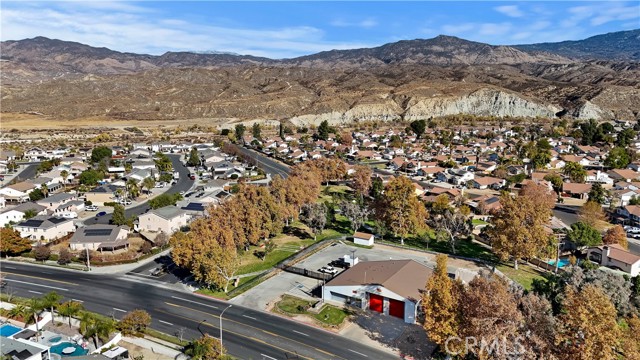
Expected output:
(125, 268)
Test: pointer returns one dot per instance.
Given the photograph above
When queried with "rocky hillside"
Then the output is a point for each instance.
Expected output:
(622, 45)
(404, 80)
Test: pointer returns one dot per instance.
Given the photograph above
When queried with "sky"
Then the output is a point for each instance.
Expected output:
(287, 29)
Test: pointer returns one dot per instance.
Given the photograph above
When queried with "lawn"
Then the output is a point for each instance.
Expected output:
(464, 248)
(329, 315)
(476, 222)
(523, 276)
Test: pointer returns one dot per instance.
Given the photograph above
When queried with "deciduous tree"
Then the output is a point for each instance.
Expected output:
(41, 252)
(418, 127)
(64, 257)
(12, 243)
(356, 214)
(587, 327)
(239, 130)
(591, 213)
(616, 235)
(618, 158)
(490, 314)
(440, 304)
(134, 322)
(597, 193)
(315, 217)
(361, 180)
(400, 209)
(194, 158)
(518, 227)
(454, 225)
(100, 152)
(205, 348)
(118, 217)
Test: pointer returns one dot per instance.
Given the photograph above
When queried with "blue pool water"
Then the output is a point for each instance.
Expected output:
(7, 330)
(561, 262)
(57, 349)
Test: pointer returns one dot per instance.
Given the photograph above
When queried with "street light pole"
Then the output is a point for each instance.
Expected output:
(230, 305)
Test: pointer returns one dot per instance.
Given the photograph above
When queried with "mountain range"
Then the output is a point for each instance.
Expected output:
(598, 77)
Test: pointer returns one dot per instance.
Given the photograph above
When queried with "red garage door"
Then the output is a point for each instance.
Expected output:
(375, 302)
(396, 308)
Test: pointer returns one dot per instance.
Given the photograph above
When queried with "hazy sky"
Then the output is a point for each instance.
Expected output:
(288, 29)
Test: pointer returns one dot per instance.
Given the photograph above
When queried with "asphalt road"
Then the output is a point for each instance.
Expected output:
(266, 163)
(247, 333)
(184, 184)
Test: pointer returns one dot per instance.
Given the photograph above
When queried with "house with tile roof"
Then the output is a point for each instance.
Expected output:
(615, 257)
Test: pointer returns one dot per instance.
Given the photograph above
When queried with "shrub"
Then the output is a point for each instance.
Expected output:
(64, 257)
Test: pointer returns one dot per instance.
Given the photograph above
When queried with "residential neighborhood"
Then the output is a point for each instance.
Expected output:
(241, 217)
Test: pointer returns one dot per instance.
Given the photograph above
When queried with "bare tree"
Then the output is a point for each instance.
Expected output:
(453, 225)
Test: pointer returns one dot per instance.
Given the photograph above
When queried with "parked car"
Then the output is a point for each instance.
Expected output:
(634, 235)
(328, 270)
(633, 230)
(126, 202)
(101, 213)
(340, 263)
(159, 271)
(91, 208)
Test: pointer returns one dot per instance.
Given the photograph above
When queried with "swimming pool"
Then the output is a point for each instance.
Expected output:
(57, 349)
(7, 330)
(54, 339)
(561, 262)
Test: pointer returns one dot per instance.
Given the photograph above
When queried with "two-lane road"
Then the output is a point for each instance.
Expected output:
(269, 165)
(247, 333)
(184, 184)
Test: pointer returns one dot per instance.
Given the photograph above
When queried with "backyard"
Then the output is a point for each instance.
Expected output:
(525, 275)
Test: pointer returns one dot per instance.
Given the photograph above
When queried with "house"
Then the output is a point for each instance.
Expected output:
(390, 287)
(629, 215)
(101, 194)
(614, 256)
(142, 164)
(35, 154)
(55, 202)
(597, 176)
(195, 209)
(45, 228)
(576, 190)
(22, 349)
(623, 175)
(168, 219)
(100, 237)
(486, 182)
(18, 192)
(16, 214)
(362, 238)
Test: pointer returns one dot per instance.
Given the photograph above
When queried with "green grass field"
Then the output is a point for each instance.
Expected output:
(523, 276)
(329, 315)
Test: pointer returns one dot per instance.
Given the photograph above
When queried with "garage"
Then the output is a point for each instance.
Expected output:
(338, 297)
(396, 308)
(376, 303)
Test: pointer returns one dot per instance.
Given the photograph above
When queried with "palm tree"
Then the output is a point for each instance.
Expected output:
(70, 309)
(148, 183)
(104, 328)
(20, 311)
(96, 328)
(51, 300)
(35, 305)
(65, 175)
(45, 189)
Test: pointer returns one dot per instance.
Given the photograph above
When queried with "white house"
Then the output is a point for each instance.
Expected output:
(391, 287)
(168, 219)
(16, 214)
(56, 202)
(362, 238)
(44, 228)
(597, 176)
(22, 349)
(614, 256)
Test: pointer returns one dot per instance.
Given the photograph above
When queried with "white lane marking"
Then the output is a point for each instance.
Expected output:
(268, 357)
(353, 351)
(32, 284)
(116, 309)
(46, 272)
(164, 322)
(194, 302)
(77, 300)
(9, 267)
(250, 317)
(35, 292)
(301, 333)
